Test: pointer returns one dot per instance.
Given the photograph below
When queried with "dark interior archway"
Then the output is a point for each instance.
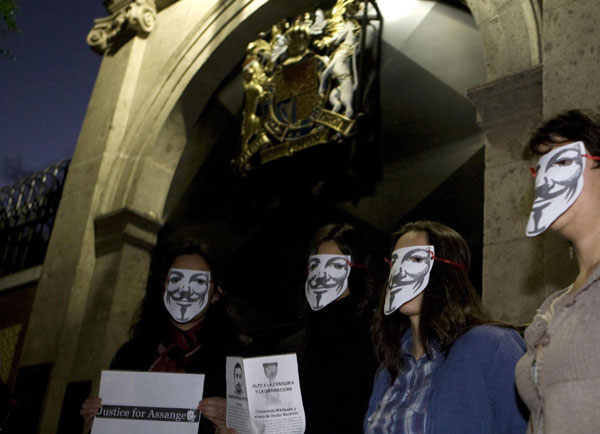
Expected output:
(426, 161)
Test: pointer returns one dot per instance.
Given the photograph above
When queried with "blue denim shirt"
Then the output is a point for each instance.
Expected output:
(473, 389)
(403, 407)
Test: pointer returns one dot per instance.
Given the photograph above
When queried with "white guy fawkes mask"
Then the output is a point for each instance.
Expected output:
(327, 279)
(558, 183)
(186, 293)
(409, 275)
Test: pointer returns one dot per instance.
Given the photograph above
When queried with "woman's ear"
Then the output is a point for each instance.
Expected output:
(216, 295)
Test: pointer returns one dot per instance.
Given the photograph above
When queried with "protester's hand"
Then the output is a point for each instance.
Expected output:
(89, 409)
(225, 430)
(214, 409)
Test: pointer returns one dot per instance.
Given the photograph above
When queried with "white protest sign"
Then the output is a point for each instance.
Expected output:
(149, 403)
(269, 401)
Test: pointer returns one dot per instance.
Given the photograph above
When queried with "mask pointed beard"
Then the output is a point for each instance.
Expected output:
(186, 293)
(327, 279)
(409, 275)
(558, 183)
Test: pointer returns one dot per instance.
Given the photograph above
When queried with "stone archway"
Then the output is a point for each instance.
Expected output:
(211, 48)
(511, 34)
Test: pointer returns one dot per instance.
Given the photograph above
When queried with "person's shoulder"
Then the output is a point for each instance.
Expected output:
(490, 338)
(383, 377)
(126, 348)
(132, 355)
(132, 346)
(488, 345)
(493, 333)
(546, 304)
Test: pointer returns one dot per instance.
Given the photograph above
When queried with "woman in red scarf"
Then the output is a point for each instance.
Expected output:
(181, 326)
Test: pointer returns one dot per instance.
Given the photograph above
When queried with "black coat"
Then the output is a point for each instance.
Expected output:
(336, 367)
(217, 339)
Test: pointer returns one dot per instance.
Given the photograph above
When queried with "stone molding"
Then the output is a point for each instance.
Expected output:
(125, 226)
(138, 16)
(505, 100)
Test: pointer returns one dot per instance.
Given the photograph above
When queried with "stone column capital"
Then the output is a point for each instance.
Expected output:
(125, 226)
(138, 16)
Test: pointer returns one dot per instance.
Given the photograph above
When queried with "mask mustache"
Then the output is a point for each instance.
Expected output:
(396, 284)
(189, 295)
(544, 192)
(400, 279)
(324, 282)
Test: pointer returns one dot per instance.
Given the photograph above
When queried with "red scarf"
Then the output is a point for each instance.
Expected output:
(178, 349)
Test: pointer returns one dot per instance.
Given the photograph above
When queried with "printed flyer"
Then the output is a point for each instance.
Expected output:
(148, 403)
(263, 395)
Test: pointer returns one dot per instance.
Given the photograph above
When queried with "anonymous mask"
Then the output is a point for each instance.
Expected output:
(186, 293)
(409, 275)
(558, 183)
(327, 279)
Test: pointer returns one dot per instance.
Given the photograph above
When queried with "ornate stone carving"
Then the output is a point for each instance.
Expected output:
(136, 15)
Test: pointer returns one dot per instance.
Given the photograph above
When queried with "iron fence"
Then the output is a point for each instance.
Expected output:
(27, 212)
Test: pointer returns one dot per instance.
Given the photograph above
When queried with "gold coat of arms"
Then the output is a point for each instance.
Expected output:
(300, 82)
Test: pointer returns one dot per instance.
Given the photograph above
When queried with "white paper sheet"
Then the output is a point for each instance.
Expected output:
(273, 403)
(149, 403)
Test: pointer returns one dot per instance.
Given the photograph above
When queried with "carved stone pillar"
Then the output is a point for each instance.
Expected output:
(518, 272)
(136, 16)
(124, 241)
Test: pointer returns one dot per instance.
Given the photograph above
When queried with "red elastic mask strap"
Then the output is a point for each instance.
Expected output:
(357, 265)
(449, 262)
(591, 157)
(533, 172)
(387, 261)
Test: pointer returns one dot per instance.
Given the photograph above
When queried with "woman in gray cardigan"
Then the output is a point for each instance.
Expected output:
(559, 376)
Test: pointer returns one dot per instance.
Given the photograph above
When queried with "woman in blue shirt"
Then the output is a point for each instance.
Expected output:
(446, 367)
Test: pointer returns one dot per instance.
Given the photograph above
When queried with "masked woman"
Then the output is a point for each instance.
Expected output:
(336, 362)
(559, 377)
(181, 327)
(445, 366)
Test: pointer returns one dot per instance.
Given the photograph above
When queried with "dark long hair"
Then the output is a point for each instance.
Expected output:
(351, 242)
(450, 305)
(151, 318)
(573, 125)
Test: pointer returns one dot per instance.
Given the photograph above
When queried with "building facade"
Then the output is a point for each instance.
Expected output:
(143, 141)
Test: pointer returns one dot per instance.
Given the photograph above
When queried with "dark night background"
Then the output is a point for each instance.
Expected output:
(46, 88)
